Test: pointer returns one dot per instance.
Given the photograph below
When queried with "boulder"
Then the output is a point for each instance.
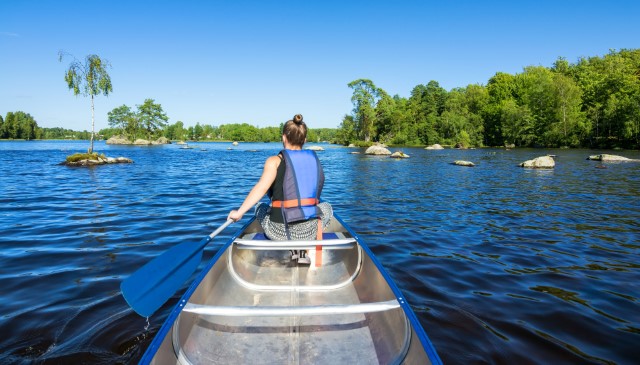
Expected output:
(315, 148)
(434, 147)
(235, 143)
(162, 140)
(399, 154)
(543, 162)
(506, 145)
(377, 150)
(463, 163)
(118, 140)
(141, 142)
(605, 157)
(351, 145)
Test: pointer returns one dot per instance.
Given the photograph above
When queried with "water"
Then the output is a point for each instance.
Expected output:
(501, 264)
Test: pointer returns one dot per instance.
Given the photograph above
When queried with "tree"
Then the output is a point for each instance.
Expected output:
(346, 131)
(89, 79)
(151, 117)
(123, 118)
(364, 99)
(10, 126)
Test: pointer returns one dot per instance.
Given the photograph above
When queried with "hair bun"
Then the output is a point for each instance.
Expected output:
(297, 119)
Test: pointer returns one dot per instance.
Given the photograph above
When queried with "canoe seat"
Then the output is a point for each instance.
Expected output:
(325, 236)
(289, 311)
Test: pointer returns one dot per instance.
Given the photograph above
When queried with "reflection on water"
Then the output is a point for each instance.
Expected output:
(501, 264)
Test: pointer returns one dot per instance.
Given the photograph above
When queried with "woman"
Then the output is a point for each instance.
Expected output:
(293, 179)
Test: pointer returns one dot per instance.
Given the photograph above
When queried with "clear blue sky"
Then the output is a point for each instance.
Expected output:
(260, 62)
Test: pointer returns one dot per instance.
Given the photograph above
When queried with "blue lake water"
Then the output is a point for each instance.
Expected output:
(501, 264)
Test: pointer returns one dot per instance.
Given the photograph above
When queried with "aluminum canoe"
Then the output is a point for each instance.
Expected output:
(253, 305)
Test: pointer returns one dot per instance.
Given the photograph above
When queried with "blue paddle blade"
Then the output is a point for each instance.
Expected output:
(152, 285)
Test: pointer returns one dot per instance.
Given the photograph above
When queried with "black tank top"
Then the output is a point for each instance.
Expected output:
(277, 193)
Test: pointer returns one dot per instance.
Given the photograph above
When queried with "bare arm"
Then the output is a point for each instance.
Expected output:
(259, 189)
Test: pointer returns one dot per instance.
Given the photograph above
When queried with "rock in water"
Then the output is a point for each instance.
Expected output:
(463, 163)
(377, 150)
(605, 157)
(543, 162)
(399, 154)
(434, 147)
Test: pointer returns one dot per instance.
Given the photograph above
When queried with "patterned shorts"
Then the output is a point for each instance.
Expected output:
(302, 231)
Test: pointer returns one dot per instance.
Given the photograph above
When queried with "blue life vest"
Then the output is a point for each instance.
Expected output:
(301, 186)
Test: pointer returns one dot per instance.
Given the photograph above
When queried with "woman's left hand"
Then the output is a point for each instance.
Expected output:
(235, 216)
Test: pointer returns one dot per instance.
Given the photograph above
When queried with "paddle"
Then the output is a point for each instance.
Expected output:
(152, 285)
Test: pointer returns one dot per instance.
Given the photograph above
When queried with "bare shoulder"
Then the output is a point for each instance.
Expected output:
(272, 162)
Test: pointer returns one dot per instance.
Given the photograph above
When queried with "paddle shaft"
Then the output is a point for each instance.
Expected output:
(222, 227)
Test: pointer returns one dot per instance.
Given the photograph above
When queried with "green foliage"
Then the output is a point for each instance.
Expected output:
(148, 121)
(88, 79)
(595, 102)
(85, 156)
(151, 118)
(19, 125)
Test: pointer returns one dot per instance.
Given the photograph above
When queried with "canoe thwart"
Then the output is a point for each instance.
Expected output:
(296, 245)
(289, 311)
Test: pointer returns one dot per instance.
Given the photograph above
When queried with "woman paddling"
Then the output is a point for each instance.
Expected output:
(293, 179)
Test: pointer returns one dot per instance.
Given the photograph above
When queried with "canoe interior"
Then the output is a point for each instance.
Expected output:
(255, 279)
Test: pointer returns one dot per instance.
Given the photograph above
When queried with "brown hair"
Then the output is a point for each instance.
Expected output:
(295, 130)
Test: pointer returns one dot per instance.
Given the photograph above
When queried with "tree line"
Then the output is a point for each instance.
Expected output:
(594, 102)
(150, 122)
(205, 132)
(21, 125)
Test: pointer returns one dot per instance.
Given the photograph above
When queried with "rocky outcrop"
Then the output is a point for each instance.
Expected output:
(463, 163)
(162, 140)
(377, 150)
(434, 147)
(605, 157)
(137, 142)
(118, 140)
(399, 154)
(543, 162)
(315, 148)
(85, 160)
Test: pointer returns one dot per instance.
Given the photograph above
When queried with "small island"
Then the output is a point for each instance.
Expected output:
(92, 159)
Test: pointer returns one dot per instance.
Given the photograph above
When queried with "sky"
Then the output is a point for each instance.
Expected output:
(261, 62)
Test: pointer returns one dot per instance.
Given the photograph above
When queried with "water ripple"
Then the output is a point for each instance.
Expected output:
(501, 264)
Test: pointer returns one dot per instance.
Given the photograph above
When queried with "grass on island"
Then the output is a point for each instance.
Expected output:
(85, 156)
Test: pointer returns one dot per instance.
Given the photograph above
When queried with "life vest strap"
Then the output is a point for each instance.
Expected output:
(319, 247)
(294, 203)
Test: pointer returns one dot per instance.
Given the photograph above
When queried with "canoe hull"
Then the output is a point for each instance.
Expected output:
(252, 304)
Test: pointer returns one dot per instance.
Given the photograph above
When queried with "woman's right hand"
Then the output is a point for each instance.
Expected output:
(235, 216)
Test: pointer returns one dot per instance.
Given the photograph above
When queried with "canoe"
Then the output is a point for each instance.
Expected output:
(253, 304)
